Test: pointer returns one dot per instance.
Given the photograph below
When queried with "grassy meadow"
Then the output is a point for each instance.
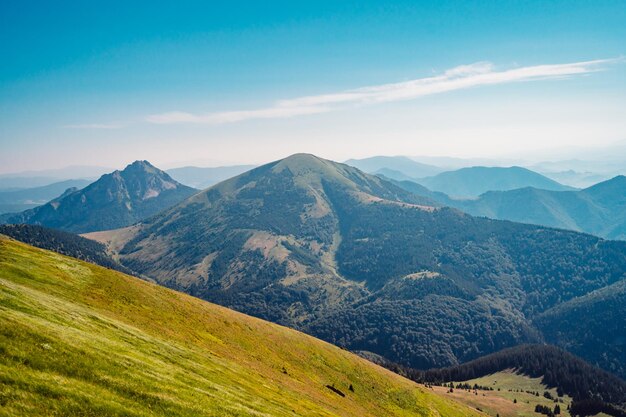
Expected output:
(510, 396)
(77, 339)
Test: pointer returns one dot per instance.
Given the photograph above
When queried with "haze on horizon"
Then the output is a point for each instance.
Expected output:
(204, 84)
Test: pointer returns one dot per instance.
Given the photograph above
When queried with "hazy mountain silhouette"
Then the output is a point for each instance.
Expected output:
(599, 209)
(118, 199)
(474, 181)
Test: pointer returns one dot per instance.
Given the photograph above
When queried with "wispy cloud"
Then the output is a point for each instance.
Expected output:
(275, 112)
(95, 126)
(458, 78)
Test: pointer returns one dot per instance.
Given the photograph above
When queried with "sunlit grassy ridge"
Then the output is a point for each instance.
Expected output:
(78, 339)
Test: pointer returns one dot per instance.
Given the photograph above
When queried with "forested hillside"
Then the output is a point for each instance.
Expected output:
(593, 326)
(359, 262)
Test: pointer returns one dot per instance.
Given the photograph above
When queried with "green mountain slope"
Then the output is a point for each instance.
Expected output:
(594, 324)
(115, 200)
(474, 181)
(78, 339)
(532, 205)
(355, 260)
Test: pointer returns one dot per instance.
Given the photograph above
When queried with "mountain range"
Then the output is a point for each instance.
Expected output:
(43, 177)
(577, 179)
(79, 339)
(474, 181)
(599, 209)
(200, 177)
(466, 182)
(115, 200)
(12, 201)
(400, 165)
(362, 263)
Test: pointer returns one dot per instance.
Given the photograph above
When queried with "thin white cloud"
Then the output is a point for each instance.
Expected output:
(458, 78)
(95, 126)
(235, 116)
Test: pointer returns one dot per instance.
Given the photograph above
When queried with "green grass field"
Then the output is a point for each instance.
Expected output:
(80, 340)
(510, 397)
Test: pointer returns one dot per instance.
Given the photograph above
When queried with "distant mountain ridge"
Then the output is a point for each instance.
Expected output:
(474, 181)
(577, 179)
(19, 200)
(200, 177)
(388, 165)
(599, 209)
(358, 261)
(115, 200)
(40, 178)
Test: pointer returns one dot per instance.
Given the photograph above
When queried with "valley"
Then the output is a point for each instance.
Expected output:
(313, 209)
(378, 268)
(359, 262)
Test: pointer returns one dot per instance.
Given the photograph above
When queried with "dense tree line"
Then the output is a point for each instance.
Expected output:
(520, 271)
(559, 369)
(548, 411)
(424, 333)
(586, 408)
(383, 241)
(592, 325)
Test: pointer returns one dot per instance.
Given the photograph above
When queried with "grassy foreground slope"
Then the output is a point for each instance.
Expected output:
(79, 339)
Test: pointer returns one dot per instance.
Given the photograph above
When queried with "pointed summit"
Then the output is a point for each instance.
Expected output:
(116, 200)
(144, 166)
(141, 163)
(298, 197)
(312, 176)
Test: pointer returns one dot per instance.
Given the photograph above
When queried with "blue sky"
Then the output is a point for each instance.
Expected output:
(238, 82)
